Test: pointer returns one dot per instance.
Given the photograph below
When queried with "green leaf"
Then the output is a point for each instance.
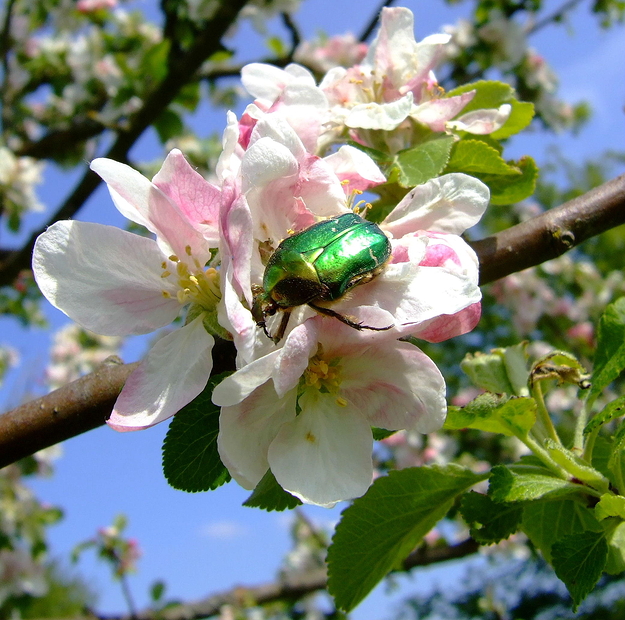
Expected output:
(423, 162)
(519, 484)
(168, 125)
(545, 522)
(488, 94)
(610, 506)
(490, 522)
(610, 354)
(475, 156)
(579, 560)
(616, 550)
(380, 529)
(494, 414)
(502, 371)
(269, 495)
(612, 410)
(618, 446)
(505, 190)
(190, 459)
(381, 433)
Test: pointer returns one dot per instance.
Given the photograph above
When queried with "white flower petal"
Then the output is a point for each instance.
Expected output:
(106, 279)
(395, 386)
(481, 122)
(323, 456)
(173, 373)
(298, 347)
(351, 164)
(247, 429)
(267, 160)
(243, 382)
(451, 204)
(141, 201)
(385, 116)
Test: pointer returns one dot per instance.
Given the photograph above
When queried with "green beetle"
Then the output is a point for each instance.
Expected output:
(319, 265)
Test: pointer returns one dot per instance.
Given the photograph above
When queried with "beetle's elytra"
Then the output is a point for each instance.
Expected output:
(318, 265)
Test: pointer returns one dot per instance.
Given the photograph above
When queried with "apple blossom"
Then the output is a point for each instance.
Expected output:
(116, 283)
(312, 426)
(393, 84)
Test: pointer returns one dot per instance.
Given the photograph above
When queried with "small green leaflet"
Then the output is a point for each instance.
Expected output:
(506, 189)
(521, 483)
(494, 414)
(610, 354)
(424, 161)
(269, 495)
(579, 560)
(545, 522)
(614, 409)
(380, 529)
(190, 459)
(490, 522)
(475, 156)
(610, 506)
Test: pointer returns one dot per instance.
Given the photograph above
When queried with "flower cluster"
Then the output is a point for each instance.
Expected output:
(323, 325)
(75, 352)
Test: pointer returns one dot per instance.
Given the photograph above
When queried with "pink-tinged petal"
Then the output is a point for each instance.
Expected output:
(385, 116)
(173, 373)
(400, 291)
(449, 326)
(323, 455)
(196, 198)
(482, 122)
(320, 189)
(142, 202)
(352, 165)
(299, 346)
(436, 112)
(105, 279)
(451, 204)
(394, 385)
(238, 386)
(246, 430)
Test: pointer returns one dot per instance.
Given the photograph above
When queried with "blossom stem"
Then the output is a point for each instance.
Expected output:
(543, 414)
(543, 455)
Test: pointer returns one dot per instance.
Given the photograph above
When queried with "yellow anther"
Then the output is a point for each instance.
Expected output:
(341, 402)
(165, 274)
(166, 294)
(174, 258)
(187, 249)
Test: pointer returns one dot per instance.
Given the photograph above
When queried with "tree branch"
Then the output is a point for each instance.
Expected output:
(77, 407)
(552, 233)
(183, 69)
(525, 245)
(287, 588)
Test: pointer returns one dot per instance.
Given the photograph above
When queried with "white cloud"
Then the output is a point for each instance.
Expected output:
(223, 530)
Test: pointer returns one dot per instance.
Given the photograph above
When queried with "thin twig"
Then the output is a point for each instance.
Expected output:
(5, 46)
(289, 588)
(291, 26)
(182, 71)
(370, 27)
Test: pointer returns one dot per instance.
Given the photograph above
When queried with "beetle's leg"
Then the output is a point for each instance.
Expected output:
(284, 321)
(346, 320)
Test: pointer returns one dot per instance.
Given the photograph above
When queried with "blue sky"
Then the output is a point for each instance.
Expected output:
(204, 543)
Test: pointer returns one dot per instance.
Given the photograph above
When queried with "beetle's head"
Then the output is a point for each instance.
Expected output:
(263, 306)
